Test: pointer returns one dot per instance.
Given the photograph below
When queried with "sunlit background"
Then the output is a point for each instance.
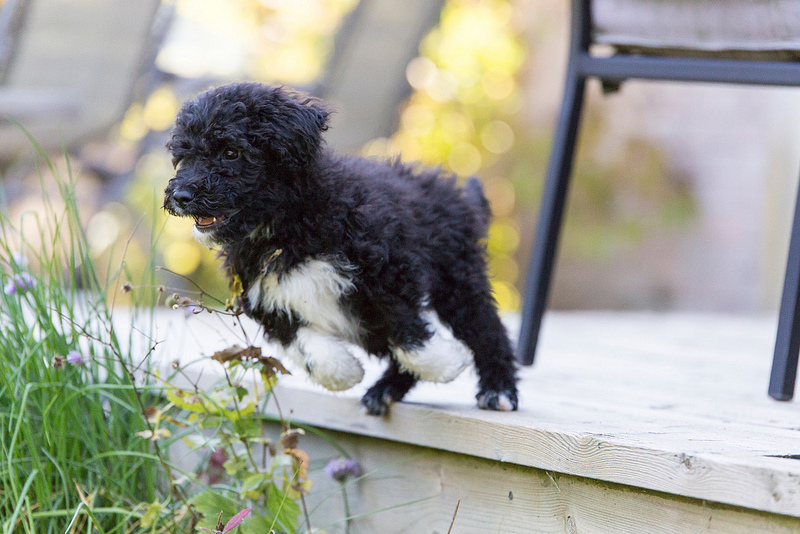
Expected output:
(463, 97)
(651, 223)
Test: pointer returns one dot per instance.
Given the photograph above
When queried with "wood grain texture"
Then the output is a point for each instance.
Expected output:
(667, 403)
(418, 489)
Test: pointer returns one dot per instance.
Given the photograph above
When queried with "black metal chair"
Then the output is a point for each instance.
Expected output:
(775, 63)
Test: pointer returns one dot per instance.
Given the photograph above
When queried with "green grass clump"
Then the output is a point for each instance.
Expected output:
(69, 411)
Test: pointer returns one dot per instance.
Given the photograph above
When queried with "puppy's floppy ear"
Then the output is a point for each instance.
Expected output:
(292, 127)
(311, 121)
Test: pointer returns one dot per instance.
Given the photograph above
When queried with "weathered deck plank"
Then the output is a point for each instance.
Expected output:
(672, 404)
(416, 490)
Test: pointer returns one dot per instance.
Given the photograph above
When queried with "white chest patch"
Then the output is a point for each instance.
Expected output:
(311, 291)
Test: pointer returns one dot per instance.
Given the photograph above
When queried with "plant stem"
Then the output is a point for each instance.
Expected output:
(346, 510)
(305, 512)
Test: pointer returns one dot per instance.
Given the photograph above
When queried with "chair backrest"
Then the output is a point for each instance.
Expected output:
(12, 18)
(700, 40)
(752, 29)
(72, 69)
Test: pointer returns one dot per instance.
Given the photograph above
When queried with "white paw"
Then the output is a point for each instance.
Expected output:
(441, 359)
(502, 404)
(328, 361)
(502, 401)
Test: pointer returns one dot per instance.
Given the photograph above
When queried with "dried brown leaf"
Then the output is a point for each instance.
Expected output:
(273, 366)
(233, 352)
(291, 437)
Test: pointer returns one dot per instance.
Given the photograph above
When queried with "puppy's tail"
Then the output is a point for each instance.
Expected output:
(473, 192)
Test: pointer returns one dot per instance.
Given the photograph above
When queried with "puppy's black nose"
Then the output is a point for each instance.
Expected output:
(181, 197)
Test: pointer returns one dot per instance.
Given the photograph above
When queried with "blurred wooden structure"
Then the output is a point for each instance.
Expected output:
(69, 68)
(365, 79)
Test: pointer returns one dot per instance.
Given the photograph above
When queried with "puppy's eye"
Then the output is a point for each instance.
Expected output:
(230, 154)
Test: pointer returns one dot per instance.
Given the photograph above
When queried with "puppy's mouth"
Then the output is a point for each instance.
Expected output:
(206, 224)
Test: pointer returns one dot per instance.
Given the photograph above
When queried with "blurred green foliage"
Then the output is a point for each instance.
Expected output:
(463, 114)
(466, 112)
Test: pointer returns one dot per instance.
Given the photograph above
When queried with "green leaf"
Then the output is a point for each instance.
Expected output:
(210, 504)
(255, 524)
(234, 465)
(186, 400)
(152, 515)
(254, 484)
(248, 427)
(194, 402)
(284, 510)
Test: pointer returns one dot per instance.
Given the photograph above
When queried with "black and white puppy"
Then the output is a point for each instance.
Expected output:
(334, 250)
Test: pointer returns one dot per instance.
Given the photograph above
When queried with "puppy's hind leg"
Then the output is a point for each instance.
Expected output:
(467, 306)
(391, 387)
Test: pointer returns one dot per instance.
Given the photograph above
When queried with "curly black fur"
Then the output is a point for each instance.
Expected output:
(252, 156)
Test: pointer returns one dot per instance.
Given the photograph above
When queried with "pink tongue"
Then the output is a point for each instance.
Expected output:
(204, 221)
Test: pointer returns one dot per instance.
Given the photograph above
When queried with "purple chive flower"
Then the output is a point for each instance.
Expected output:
(340, 469)
(190, 310)
(20, 284)
(75, 358)
(20, 259)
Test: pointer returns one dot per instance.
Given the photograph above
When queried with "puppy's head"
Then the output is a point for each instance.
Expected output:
(239, 151)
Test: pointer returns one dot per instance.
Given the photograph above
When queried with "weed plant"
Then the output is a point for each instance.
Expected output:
(87, 422)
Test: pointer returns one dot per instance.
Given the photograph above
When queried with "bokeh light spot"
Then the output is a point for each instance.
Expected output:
(503, 237)
(504, 267)
(418, 120)
(506, 295)
(444, 87)
(182, 257)
(133, 127)
(501, 195)
(102, 231)
(464, 159)
(160, 110)
(456, 127)
(498, 84)
(155, 167)
(421, 72)
(178, 227)
(497, 137)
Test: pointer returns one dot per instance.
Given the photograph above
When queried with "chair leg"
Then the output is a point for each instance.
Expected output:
(787, 342)
(550, 217)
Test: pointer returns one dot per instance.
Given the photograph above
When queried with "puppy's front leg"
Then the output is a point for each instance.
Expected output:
(392, 387)
(327, 359)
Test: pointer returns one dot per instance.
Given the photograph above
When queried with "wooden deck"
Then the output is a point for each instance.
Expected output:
(627, 423)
